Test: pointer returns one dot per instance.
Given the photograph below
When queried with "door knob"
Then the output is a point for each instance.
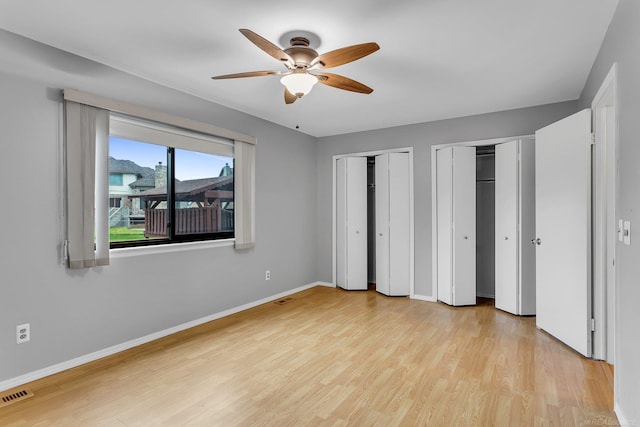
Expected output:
(536, 241)
(506, 238)
(466, 238)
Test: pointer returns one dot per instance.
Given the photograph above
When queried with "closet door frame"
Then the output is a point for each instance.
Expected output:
(434, 199)
(335, 158)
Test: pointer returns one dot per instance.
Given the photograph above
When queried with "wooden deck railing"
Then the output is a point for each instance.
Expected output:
(188, 221)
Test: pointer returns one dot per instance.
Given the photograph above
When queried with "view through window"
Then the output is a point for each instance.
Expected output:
(162, 194)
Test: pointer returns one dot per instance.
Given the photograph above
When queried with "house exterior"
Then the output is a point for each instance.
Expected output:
(125, 179)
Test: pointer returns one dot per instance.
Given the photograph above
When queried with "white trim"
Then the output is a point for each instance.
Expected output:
(327, 284)
(63, 366)
(411, 209)
(422, 298)
(373, 153)
(610, 79)
(604, 222)
(481, 142)
(168, 248)
(622, 419)
(157, 116)
(434, 206)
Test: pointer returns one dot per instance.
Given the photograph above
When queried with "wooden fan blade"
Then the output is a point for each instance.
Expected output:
(342, 82)
(268, 47)
(289, 98)
(249, 74)
(345, 55)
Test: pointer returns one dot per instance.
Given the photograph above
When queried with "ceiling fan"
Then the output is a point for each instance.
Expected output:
(300, 59)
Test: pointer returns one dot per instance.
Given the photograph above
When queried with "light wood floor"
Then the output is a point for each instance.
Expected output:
(335, 358)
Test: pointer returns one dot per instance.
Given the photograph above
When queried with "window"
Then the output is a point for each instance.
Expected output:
(178, 184)
(115, 179)
(94, 125)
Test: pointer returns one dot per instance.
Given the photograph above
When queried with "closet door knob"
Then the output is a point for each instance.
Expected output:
(466, 238)
(380, 234)
(506, 238)
(357, 231)
(536, 241)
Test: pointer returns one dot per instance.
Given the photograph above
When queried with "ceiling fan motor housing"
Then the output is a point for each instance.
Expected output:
(301, 53)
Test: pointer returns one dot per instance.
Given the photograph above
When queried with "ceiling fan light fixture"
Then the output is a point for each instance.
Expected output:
(299, 84)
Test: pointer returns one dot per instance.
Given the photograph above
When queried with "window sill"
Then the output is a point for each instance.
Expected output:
(168, 248)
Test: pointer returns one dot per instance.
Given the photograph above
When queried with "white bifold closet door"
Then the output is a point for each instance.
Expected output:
(351, 223)
(515, 285)
(456, 225)
(392, 224)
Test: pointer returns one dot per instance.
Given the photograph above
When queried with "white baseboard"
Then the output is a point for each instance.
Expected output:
(63, 366)
(423, 298)
(622, 419)
(327, 284)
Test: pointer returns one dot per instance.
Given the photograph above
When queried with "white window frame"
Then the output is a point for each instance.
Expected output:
(245, 207)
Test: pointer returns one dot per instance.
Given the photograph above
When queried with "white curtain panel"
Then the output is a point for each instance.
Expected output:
(244, 194)
(87, 185)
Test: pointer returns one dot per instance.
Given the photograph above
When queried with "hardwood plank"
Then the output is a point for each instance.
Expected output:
(335, 358)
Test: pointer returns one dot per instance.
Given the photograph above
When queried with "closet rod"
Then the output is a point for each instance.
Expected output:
(485, 154)
(486, 180)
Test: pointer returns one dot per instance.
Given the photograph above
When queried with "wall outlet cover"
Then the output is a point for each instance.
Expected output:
(23, 333)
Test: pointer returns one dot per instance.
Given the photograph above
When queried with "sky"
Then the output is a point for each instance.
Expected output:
(189, 164)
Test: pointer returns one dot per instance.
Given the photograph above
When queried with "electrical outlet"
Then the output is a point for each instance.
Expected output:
(267, 275)
(23, 333)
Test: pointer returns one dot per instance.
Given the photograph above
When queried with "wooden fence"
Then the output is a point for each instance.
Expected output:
(209, 219)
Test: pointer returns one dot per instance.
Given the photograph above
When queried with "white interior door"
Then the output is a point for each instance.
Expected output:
(382, 224)
(506, 220)
(563, 229)
(456, 225)
(351, 223)
(444, 212)
(464, 225)
(527, 228)
(341, 222)
(399, 231)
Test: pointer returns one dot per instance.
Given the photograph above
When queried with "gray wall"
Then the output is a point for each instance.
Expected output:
(73, 313)
(421, 137)
(621, 46)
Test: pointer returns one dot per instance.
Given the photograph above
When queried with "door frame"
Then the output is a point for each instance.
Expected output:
(605, 116)
(434, 201)
(335, 158)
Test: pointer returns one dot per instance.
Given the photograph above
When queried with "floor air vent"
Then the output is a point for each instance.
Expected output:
(15, 396)
(283, 301)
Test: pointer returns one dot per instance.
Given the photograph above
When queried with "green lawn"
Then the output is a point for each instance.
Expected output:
(124, 234)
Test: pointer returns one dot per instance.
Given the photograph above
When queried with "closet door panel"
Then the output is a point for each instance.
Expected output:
(382, 224)
(464, 225)
(357, 223)
(341, 223)
(527, 210)
(506, 224)
(444, 212)
(399, 281)
(351, 223)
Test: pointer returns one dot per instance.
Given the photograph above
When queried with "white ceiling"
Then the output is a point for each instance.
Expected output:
(438, 58)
